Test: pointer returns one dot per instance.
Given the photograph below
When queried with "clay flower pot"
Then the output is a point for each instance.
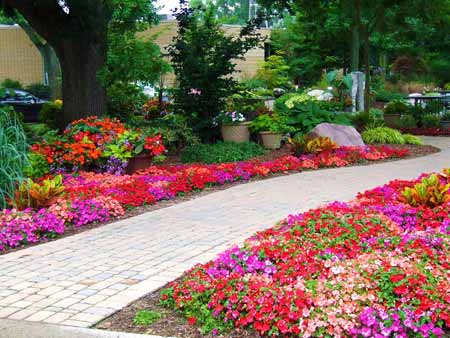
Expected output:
(238, 133)
(445, 124)
(139, 162)
(271, 140)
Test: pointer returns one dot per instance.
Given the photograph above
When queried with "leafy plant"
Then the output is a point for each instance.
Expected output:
(146, 317)
(274, 72)
(51, 113)
(39, 194)
(384, 95)
(446, 116)
(274, 123)
(38, 166)
(412, 139)
(431, 121)
(202, 58)
(11, 84)
(320, 144)
(221, 152)
(397, 107)
(383, 135)
(40, 90)
(13, 154)
(407, 121)
(430, 192)
(362, 120)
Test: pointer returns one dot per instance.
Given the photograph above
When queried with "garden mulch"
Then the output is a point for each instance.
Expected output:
(415, 151)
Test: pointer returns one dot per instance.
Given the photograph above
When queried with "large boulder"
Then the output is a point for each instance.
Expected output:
(341, 135)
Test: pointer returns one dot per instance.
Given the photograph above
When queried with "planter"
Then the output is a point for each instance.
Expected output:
(392, 120)
(238, 133)
(445, 124)
(271, 140)
(139, 162)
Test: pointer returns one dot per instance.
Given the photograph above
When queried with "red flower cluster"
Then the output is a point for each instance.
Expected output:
(427, 131)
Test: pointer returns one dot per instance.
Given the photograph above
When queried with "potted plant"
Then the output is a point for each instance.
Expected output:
(139, 150)
(445, 120)
(234, 127)
(271, 129)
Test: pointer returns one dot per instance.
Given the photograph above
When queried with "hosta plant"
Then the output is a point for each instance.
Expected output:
(429, 192)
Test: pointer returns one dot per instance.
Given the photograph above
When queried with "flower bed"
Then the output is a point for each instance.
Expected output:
(374, 267)
(94, 197)
(427, 131)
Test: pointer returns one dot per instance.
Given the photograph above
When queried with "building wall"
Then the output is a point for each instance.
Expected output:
(19, 58)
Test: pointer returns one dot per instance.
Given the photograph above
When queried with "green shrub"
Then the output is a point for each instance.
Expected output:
(13, 154)
(383, 135)
(11, 84)
(431, 121)
(384, 95)
(40, 90)
(124, 100)
(397, 107)
(51, 113)
(412, 139)
(38, 166)
(221, 152)
(362, 120)
(146, 317)
(446, 116)
(407, 121)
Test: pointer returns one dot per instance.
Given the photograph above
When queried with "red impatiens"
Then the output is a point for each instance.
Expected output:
(373, 267)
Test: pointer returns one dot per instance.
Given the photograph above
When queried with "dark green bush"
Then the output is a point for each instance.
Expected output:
(221, 152)
(51, 114)
(40, 90)
(407, 121)
(383, 95)
(11, 84)
(397, 107)
(431, 121)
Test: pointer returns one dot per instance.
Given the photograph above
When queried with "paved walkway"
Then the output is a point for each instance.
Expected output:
(80, 280)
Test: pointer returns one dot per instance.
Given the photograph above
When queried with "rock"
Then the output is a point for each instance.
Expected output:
(341, 135)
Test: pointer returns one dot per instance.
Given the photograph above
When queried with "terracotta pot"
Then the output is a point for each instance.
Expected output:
(139, 162)
(238, 133)
(271, 140)
(445, 124)
(392, 120)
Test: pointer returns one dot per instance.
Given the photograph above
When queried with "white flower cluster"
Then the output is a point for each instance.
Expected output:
(64, 6)
(236, 117)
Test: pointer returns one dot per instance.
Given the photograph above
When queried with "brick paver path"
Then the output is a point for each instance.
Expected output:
(82, 279)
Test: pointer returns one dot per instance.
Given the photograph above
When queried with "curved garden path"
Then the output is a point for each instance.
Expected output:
(79, 280)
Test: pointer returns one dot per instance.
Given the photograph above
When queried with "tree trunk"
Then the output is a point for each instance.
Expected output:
(81, 59)
(51, 70)
(367, 69)
(356, 40)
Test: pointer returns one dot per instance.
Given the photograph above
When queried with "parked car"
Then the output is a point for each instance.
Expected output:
(23, 102)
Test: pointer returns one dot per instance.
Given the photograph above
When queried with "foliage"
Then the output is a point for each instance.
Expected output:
(446, 116)
(39, 90)
(173, 127)
(407, 121)
(274, 72)
(230, 118)
(397, 107)
(430, 121)
(383, 135)
(11, 84)
(146, 317)
(38, 166)
(13, 154)
(384, 95)
(39, 194)
(408, 66)
(361, 120)
(320, 144)
(304, 117)
(51, 113)
(274, 123)
(430, 192)
(202, 58)
(412, 139)
(125, 99)
(221, 152)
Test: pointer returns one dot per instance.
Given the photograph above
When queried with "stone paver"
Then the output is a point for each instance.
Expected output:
(79, 280)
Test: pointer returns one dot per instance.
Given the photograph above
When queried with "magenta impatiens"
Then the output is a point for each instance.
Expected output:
(372, 267)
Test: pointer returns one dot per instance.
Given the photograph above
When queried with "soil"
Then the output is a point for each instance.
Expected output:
(171, 324)
(415, 151)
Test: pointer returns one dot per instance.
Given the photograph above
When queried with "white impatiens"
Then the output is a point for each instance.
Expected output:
(64, 6)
